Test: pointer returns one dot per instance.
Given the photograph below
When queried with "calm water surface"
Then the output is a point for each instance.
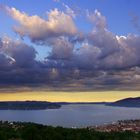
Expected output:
(80, 115)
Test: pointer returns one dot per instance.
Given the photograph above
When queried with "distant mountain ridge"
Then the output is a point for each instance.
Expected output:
(128, 102)
(40, 105)
(28, 105)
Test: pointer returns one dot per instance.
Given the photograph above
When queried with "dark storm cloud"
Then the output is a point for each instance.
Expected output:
(103, 59)
(20, 54)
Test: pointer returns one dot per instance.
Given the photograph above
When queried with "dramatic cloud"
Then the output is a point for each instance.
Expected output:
(61, 48)
(95, 60)
(17, 61)
(98, 19)
(38, 29)
(19, 53)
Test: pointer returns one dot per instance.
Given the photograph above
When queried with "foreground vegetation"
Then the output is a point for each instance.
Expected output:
(30, 131)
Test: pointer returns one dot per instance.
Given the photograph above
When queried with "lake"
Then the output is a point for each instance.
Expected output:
(73, 115)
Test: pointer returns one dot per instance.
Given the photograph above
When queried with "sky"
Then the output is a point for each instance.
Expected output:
(86, 47)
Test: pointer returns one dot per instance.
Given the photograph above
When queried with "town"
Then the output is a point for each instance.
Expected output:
(120, 126)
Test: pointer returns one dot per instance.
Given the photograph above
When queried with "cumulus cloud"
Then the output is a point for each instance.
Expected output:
(69, 11)
(127, 56)
(104, 50)
(19, 53)
(113, 48)
(62, 48)
(98, 19)
(98, 59)
(39, 29)
(17, 62)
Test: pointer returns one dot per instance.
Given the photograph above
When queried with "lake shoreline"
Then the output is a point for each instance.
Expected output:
(72, 115)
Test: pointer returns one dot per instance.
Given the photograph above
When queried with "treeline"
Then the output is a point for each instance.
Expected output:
(30, 131)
